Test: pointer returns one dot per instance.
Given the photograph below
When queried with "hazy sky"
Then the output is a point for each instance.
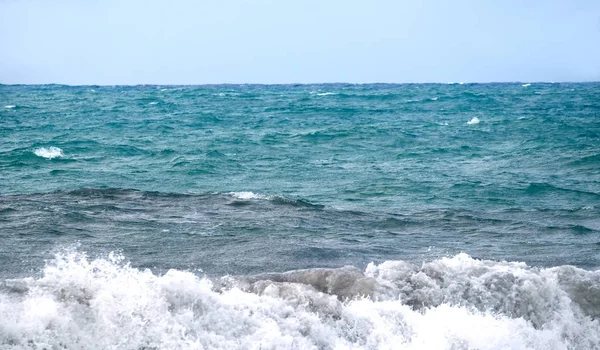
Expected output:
(293, 41)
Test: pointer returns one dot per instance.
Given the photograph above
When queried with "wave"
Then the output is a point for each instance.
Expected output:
(543, 187)
(249, 195)
(49, 152)
(450, 303)
(275, 199)
(124, 194)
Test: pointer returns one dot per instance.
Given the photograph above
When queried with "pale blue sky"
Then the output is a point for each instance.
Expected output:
(265, 41)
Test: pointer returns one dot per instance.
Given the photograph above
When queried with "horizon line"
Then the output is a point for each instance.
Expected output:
(308, 84)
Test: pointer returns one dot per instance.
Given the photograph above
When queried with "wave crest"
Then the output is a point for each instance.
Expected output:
(49, 152)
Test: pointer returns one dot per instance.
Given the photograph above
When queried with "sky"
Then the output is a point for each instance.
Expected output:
(110, 42)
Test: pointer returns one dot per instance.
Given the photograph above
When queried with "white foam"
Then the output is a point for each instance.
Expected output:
(49, 152)
(153, 103)
(434, 98)
(10, 106)
(326, 93)
(249, 195)
(526, 85)
(475, 120)
(453, 303)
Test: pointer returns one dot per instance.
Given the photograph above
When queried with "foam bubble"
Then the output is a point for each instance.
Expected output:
(475, 120)
(451, 303)
(49, 152)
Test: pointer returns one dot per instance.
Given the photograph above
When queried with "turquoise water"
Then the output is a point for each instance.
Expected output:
(230, 186)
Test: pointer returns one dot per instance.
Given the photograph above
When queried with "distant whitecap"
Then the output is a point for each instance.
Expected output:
(10, 106)
(326, 94)
(248, 195)
(49, 152)
(475, 120)
(153, 103)
(526, 85)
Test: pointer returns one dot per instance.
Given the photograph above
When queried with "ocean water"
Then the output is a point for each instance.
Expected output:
(418, 216)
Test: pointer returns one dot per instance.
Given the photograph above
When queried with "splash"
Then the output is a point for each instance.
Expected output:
(453, 303)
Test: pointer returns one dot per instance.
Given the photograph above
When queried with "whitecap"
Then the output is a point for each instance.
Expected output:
(248, 195)
(475, 120)
(526, 85)
(153, 103)
(326, 93)
(10, 106)
(49, 152)
(434, 98)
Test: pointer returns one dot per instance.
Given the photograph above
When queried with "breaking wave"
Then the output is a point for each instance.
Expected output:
(452, 303)
(473, 121)
(49, 152)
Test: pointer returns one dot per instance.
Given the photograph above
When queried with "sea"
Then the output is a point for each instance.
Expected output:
(328, 216)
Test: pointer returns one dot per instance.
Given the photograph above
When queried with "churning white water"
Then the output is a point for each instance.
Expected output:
(451, 303)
